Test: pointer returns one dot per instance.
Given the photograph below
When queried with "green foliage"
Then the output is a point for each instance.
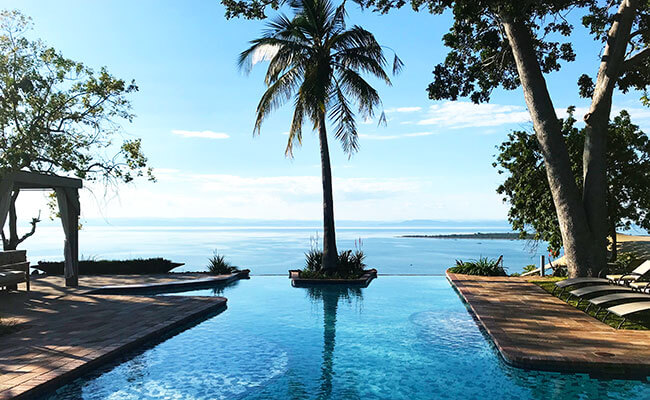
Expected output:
(314, 59)
(249, 9)
(217, 265)
(349, 265)
(480, 58)
(527, 191)
(626, 261)
(530, 267)
(59, 116)
(112, 267)
(483, 267)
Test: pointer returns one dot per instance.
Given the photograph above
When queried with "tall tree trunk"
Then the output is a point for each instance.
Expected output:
(330, 254)
(576, 236)
(13, 241)
(594, 194)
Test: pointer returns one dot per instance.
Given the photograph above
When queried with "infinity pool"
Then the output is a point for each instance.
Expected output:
(400, 338)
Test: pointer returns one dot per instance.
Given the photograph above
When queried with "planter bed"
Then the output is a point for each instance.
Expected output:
(174, 286)
(363, 281)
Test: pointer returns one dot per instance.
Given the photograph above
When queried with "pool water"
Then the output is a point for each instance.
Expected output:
(400, 338)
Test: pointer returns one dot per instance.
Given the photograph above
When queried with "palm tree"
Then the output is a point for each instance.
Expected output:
(316, 60)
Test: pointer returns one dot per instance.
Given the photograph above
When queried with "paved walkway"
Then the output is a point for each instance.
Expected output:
(533, 329)
(66, 332)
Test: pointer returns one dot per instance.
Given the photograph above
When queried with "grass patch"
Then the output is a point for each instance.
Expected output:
(638, 322)
(7, 327)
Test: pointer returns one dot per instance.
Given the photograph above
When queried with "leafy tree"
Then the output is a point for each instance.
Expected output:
(316, 60)
(527, 191)
(507, 43)
(58, 116)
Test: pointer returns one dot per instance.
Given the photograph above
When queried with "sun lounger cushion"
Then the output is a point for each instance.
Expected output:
(628, 296)
(623, 310)
(11, 277)
(638, 272)
(589, 290)
(580, 281)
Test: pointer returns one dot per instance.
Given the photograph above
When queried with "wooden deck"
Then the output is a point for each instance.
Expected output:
(65, 332)
(532, 329)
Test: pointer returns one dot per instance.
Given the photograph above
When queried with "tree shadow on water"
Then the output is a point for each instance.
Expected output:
(330, 296)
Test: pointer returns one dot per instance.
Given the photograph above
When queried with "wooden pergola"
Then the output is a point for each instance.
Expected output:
(67, 195)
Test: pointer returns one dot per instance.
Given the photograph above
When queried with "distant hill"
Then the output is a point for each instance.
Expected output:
(478, 235)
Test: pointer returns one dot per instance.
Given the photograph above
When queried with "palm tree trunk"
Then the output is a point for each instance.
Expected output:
(594, 194)
(329, 236)
(576, 237)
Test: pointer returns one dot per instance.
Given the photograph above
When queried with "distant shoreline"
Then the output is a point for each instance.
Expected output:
(477, 235)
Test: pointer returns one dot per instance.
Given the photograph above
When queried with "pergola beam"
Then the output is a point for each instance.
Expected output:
(33, 180)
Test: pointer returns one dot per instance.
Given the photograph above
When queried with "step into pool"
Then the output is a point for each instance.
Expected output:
(400, 338)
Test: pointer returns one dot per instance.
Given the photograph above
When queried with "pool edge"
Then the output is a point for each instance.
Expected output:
(519, 359)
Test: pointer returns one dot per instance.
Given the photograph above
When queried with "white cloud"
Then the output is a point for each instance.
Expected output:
(416, 134)
(179, 194)
(393, 137)
(378, 137)
(201, 134)
(368, 121)
(404, 109)
(463, 114)
(636, 113)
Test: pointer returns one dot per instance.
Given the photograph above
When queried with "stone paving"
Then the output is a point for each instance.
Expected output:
(535, 330)
(63, 333)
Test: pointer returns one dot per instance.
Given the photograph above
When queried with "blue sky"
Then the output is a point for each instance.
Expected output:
(432, 161)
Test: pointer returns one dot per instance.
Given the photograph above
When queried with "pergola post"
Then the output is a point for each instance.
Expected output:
(69, 209)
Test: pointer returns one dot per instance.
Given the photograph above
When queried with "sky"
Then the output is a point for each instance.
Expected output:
(195, 113)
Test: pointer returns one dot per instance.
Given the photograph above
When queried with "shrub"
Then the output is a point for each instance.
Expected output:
(349, 265)
(112, 267)
(530, 268)
(483, 266)
(217, 265)
(625, 261)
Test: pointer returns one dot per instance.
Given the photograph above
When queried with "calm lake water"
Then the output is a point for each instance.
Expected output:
(274, 250)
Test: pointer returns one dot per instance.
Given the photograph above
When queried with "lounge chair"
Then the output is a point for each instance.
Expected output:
(578, 281)
(628, 297)
(596, 290)
(643, 287)
(626, 279)
(14, 269)
(623, 310)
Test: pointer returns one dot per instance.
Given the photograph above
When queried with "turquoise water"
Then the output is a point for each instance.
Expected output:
(400, 338)
(274, 250)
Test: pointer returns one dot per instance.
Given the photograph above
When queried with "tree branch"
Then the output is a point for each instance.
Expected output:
(634, 60)
(33, 230)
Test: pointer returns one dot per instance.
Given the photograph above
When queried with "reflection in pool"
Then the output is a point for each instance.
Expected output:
(400, 338)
